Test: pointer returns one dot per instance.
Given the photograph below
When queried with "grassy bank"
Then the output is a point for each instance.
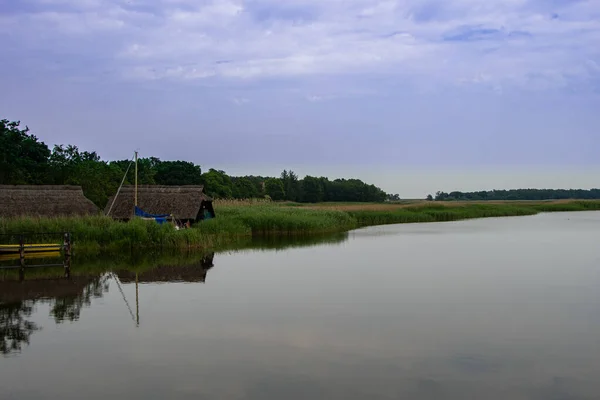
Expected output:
(236, 223)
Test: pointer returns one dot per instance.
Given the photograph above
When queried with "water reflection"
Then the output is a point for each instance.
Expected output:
(164, 273)
(66, 298)
(68, 307)
(508, 310)
(286, 243)
(68, 294)
(15, 328)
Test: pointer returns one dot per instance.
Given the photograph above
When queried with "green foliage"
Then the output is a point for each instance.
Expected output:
(393, 197)
(569, 206)
(274, 189)
(177, 173)
(106, 234)
(23, 158)
(269, 219)
(313, 190)
(521, 194)
(95, 234)
(218, 184)
(291, 185)
(146, 170)
(431, 213)
(98, 179)
(316, 190)
(245, 188)
(26, 160)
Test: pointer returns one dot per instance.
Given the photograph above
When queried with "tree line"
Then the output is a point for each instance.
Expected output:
(24, 159)
(519, 194)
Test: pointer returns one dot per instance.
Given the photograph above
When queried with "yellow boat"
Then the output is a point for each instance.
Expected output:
(30, 248)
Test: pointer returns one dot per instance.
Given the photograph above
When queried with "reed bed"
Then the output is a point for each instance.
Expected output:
(94, 234)
(241, 202)
(287, 221)
(236, 221)
(436, 213)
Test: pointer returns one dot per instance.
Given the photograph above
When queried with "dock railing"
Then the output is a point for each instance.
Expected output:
(23, 250)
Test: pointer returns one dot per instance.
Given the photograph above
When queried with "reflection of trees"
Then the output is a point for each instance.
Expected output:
(66, 297)
(15, 329)
(69, 307)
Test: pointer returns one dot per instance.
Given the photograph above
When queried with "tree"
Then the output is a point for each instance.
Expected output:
(97, 179)
(441, 196)
(244, 188)
(429, 197)
(274, 189)
(146, 170)
(291, 185)
(176, 173)
(23, 158)
(26, 160)
(64, 160)
(217, 184)
(520, 194)
(313, 190)
(393, 197)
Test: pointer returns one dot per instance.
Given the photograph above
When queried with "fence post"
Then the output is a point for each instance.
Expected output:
(67, 249)
(22, 251)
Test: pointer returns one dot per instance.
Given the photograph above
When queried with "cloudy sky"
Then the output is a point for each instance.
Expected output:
(414, 95)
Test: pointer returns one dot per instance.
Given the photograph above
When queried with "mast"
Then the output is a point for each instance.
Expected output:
(135, 201)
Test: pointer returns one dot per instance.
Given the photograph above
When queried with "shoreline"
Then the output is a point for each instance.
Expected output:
(237, 225)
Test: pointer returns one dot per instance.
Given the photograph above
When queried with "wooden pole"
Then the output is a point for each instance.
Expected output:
(22, 251)
(22, 257)
(67, 249)
(136, 180)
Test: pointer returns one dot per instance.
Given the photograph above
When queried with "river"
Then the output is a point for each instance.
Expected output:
(484, 309)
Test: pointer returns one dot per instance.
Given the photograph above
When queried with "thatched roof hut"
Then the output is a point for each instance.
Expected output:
(188, 203)
(44, 201)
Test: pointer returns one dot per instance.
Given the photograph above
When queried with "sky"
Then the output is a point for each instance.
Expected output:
(414, 96)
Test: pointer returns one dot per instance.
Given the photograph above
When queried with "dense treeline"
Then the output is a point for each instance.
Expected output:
(24, 159)
(520, 194)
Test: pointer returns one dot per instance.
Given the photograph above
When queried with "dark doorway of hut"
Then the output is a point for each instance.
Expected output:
(180, 206)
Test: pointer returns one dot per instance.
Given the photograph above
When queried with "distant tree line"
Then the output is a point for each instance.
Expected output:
(519, 194)
(24, 159)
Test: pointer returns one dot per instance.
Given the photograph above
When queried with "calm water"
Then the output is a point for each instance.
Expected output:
(484, 309)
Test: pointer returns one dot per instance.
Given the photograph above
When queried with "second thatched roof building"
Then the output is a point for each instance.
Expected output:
(185, 203)
(44, 201)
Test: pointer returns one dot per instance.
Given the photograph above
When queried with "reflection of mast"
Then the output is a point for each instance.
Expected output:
(125, 299)
(137, 302)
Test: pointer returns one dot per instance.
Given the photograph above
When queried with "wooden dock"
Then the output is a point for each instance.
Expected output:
(24, 251)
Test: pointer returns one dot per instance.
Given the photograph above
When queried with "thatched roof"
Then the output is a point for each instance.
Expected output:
(183, 202)
(44, 201)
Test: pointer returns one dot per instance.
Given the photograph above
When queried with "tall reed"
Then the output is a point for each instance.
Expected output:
(99, 234)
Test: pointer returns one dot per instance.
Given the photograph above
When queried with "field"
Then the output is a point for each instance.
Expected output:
(239, 220)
